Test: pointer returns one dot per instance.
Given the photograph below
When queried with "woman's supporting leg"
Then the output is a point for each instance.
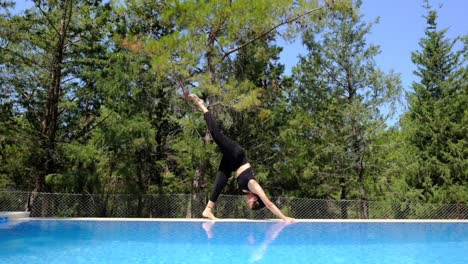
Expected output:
(221, 181)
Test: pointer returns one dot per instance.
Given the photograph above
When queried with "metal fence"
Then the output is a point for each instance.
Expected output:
(227, 206)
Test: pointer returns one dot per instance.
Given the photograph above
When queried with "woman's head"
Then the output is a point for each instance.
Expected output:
(254, 201)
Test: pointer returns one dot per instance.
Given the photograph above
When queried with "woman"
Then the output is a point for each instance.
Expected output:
(234, 159)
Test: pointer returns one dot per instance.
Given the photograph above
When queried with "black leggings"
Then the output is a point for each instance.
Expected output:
(233, 156)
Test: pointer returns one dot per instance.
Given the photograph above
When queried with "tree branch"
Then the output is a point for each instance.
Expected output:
(45, 15)
(266, 33)
(26, 60)
(85, 131)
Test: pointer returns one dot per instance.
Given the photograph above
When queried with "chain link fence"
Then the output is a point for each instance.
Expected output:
(227, 206)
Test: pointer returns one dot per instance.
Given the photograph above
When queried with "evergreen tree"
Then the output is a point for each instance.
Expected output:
(48, 56)
(337, 110)
(138, 106)
(435, 126)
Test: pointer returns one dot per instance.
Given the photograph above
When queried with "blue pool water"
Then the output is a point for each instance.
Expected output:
(51, 241)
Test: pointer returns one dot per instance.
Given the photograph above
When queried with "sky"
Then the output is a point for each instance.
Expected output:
(398, 33)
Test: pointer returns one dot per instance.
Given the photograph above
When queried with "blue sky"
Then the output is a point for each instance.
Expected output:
(398, 33)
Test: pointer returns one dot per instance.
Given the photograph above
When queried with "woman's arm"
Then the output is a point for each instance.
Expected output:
(257, 189)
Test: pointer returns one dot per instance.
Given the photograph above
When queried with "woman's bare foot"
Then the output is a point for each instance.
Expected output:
(196, 99)
(208, 214)
(199, 102)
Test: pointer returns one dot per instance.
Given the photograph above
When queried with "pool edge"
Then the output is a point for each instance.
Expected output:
(251, 220)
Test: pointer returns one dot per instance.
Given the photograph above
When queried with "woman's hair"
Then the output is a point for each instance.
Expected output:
(259, 204)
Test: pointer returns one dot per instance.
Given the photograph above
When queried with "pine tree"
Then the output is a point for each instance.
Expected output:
(138, 111)
(435, 126)
(337, 108)
(48, 56)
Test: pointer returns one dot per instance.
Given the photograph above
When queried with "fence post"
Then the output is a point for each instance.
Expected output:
(358, 211)
(188, 213)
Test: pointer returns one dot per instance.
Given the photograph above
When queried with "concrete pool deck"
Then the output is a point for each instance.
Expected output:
(10, 215)
(253, 220)
(10, 219)
(24, 216)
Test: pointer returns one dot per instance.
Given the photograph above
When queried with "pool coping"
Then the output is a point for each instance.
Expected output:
(249, 220)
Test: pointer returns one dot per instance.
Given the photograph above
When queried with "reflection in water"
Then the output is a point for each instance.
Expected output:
(208, 227)
(272, 233)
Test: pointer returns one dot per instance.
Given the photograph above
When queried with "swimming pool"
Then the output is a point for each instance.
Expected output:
(78, 241)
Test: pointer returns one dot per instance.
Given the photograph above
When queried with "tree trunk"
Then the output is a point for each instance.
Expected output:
(357, 148)
(140, 171)
(51, 115)
(343, 198)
